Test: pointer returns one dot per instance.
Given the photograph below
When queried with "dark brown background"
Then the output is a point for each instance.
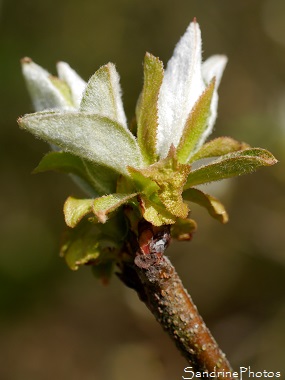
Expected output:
(55, 324)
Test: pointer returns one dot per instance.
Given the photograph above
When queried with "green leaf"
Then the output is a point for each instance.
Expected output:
(63, 89)
(218, 147)
(147, 117)
(94, 244)
(102, 95)
(142, 182)
(63, 162)
(196, 125)
(231, 165)
(75, 209)
(91, 137)
(183, 229)
(46, 91)
(155, 212)
(104, 205)
(213, 205)
(81, 246)
(170, 176)
(100, 178)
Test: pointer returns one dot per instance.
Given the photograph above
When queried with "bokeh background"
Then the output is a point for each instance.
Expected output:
(55, 324)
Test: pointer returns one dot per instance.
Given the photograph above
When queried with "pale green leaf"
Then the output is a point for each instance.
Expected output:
(104, 205)
(196, 125)
(181, 87)
(74, 82)
(142, 182)
(101, 179)
(45, 90)
(75, 209)
(147, 117)
(81, 252)
(170, 176)
(218, 147)
(63, 162)
(102, 95)
(231, 165)
(80, 246)
(212, 204)
(91, 137)
(155, 212)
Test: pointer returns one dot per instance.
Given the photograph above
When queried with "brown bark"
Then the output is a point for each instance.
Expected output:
(158, 285)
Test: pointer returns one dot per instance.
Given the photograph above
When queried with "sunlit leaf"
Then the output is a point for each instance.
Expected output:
(75, 209)
(45, 90)
(218, 147)
(92, 137)
(181, 87)
(102, 95)
(196, 125)
(155, 212)
(213, 205)
(231, 165)
(147, 117)
(104, 205)
(170, 176)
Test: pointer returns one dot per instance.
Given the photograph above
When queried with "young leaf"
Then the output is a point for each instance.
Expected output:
(92, 137)
(45, 90)
(63, 162)
(75, 209)
(213, 205)
(195, 125)
(104, 205)
(218, 147)
(102, 95)
(155, 212)
(101, 178)
(231, 165)
(213, 67)
(147, 117)
(75, 83)
(183, 229)
(170, 176)
(181, 87)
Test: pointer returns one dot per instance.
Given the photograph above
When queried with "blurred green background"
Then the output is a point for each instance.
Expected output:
(55, 324)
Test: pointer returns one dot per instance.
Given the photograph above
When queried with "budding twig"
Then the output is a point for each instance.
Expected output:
(158, 285)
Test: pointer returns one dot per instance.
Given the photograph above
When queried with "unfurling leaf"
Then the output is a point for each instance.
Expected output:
(213, 205)
(102, 95)
(196, 125)
(147, 117)
(80, 246)
(231, 165)
(104, 205)
(91, 137)
(75, 209)
(63, 162)
(154, 211)
(170, 176)
(218, 147)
